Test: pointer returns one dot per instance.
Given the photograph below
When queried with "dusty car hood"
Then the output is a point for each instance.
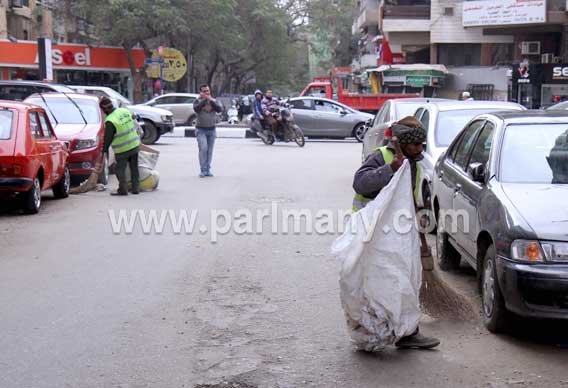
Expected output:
(543, 206)
(72, 131)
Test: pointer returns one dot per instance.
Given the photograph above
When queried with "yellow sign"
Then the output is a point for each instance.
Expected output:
(174, 65)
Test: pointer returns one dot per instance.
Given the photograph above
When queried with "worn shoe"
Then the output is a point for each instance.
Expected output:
(202, 174)
(135, 191)
(209, 174)
(417, 341)
(121, 193)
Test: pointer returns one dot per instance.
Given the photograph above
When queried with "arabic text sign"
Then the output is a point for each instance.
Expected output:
(502, 12)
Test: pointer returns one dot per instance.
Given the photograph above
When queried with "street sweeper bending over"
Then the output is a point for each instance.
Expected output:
(376, 173)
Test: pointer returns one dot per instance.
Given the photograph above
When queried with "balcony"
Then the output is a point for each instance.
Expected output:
(406, 9)
(368, 17)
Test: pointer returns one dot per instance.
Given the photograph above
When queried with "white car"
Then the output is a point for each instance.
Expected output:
(156, 121)
(443, 121)
(180, 104)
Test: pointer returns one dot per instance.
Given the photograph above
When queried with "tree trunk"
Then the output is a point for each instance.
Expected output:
(137, 75)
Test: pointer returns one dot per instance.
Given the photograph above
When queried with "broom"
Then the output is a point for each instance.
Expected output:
(91, 182)
(437, 298)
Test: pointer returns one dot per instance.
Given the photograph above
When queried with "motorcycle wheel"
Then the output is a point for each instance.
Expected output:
(267, 138)
(299, 136)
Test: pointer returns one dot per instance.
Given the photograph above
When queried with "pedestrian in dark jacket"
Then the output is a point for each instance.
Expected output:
(206, 108)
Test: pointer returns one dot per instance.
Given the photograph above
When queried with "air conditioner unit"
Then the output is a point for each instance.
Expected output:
(530, 48)
(16, 3)
(547, 58)
(448, 11)
(555, 59)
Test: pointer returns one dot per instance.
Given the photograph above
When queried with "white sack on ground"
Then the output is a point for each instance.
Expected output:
(381, 272)
(148, 176)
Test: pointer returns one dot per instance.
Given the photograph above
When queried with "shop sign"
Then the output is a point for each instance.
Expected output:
(418, 80)
(560, 73)
(173, 67)
(503, 12)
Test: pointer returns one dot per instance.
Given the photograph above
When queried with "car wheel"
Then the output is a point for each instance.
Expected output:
(61, 189)
(105, 171)
(151, 134)
(32, 199)
(359, 132)
(495, 314)
(192, 121)
(448, 258)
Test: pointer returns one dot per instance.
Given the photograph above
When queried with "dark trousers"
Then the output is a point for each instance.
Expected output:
(130, 160)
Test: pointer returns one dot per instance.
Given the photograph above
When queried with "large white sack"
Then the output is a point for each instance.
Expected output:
(381, 271)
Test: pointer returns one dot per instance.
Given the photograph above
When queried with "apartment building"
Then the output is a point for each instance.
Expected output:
(26, 19)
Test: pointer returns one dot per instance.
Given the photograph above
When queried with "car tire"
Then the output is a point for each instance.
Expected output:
(427, 202)
(61, 188)
(192, 121)
(359, 132)
(448, 257)
(151, 134)
(105, 171)
(32, 198)
(495, 314)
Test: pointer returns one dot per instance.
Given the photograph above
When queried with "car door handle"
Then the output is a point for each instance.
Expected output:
(457, 189)
(441, 175)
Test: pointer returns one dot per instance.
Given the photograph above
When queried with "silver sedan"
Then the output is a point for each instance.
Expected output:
(321, 117)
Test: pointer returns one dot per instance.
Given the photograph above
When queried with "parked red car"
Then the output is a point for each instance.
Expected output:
(78, 120)
(32, 159)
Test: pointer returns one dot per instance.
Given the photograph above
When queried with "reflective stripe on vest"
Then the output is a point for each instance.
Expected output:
(126, 138)
(360, 201)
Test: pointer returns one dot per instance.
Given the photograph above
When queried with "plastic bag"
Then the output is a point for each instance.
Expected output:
(148, 176)
(381, 271)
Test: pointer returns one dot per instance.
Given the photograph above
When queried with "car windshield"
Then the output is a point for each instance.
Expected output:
(451, 122)
(535, 154)
(6, 118)
(403, 110)
(114, 94)
(66, 112)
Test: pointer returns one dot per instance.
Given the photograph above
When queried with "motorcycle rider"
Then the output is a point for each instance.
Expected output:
(270, 102)
(257, 111)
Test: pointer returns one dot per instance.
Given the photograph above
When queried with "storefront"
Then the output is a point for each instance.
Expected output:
(539, 85)
(73, 64)
(415, 78)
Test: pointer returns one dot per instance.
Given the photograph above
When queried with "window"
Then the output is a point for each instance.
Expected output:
(535, 153)
(381, 116)
(482, 149)
(425, 119)
(324, 106)
(16, 92)
(63, 111)
(302, 104)
(466, 143)
(166, 100)
(45, 126)
(418, 113)
(459, 54)
(35, 129)
(6, 119)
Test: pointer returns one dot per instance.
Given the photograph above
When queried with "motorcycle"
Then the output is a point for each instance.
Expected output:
(287, 129)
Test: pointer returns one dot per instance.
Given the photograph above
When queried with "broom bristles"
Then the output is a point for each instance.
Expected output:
(439, 300)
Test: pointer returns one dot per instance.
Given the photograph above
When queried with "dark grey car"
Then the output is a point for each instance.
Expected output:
(499, 195)
(321, 117)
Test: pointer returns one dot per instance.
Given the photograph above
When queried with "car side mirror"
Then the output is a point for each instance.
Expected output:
(369, 123)
(476, 172)
(342, 112)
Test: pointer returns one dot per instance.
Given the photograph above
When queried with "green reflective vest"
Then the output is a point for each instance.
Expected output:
(360, 201)
(126, 138)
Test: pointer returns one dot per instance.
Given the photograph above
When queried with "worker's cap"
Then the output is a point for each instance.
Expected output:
(257, 91)
(105, 103)
(409, 131)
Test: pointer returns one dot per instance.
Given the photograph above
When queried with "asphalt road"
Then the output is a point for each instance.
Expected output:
(84, 307)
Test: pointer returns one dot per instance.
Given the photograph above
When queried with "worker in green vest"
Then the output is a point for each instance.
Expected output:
(376, 173)
(121, 135)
